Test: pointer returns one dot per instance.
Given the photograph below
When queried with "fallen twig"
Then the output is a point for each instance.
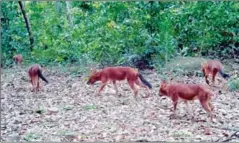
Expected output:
(230, 138)
(226, 128)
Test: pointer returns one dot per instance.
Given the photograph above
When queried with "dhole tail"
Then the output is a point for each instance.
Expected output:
(41, 76)
(224, 75)
(145, 81)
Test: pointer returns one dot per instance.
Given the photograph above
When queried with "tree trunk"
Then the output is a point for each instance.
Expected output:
(68, 12)
(28, 26)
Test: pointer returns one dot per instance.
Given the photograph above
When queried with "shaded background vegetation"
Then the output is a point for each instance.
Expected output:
(147, 34)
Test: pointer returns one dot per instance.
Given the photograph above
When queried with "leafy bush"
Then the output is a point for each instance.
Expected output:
(233, 85)
(111, 32)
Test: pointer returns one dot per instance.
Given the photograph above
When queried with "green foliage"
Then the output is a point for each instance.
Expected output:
(90, 107)
(114, 33)
(65, 133)
(31, 137)
(207, 25)
(68, 107)
(233, 85)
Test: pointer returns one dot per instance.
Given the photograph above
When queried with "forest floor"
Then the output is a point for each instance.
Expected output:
(67, 109)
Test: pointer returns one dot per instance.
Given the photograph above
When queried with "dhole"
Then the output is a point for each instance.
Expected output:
(35, 71)
(213, 67)
(116, 74)
(187, 92)
(17, 59)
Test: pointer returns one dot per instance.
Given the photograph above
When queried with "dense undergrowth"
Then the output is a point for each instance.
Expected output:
(142, 34)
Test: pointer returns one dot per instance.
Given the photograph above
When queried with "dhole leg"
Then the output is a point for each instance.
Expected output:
(131, 84)
(211, 106)
(206, 107)
(214, 73)
(206, 76)
(34, 88)
(116, 89)
(32, 82)
(206, 79)
(175, 103)
(185, 102)
(35, 84)
(142, 85)
(38, 84)
(101, 88)
(189, 111)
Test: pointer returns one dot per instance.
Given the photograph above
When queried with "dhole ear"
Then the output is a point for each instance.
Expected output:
(162, 85)
(93, 71)
(203, 64)
(137, 70)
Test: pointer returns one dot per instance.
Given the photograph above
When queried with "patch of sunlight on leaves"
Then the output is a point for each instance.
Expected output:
(121, 61)
(31, 136)
(59, 59)
(65, 133)
(89, 107)
(74, 69)
(233, 84)
(68, 107)
(182, 134)
(86, 78)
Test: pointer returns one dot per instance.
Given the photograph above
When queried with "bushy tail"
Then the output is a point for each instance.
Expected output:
(41, 76)
(145, 81)
(224, 75)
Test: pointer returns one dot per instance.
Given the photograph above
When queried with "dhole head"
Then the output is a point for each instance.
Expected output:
(17, 58)
(14, 58)
(93, 77)
(163, 88)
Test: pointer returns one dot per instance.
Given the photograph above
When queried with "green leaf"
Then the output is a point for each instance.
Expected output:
(89, 107)
(31, 136)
